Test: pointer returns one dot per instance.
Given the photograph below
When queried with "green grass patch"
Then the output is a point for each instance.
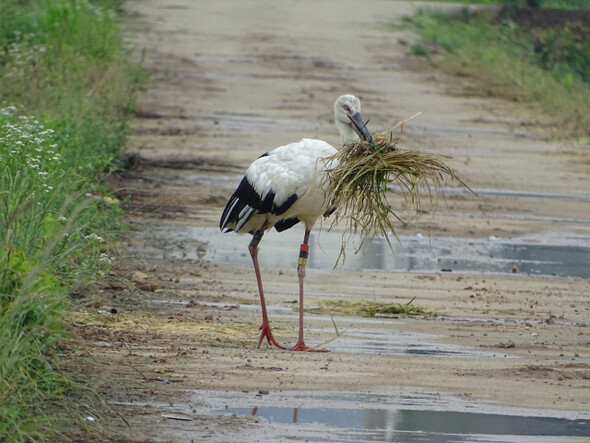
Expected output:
(549, 4)
(370, 309)
(65, 99)
(549, 66)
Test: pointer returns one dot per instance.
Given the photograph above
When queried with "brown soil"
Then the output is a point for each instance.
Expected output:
(535, 18)
(230, 80)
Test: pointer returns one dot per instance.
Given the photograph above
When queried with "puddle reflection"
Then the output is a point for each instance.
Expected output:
(551, 254)
(422, 425)
(399, 417)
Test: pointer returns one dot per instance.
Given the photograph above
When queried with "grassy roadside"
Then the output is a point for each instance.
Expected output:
(65, 98)
(538, 62)
(557, 4)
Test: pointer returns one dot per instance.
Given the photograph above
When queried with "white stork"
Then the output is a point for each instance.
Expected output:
(284, 187)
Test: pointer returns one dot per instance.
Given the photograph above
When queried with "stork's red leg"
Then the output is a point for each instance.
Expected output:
(303, 254)
(265, 327)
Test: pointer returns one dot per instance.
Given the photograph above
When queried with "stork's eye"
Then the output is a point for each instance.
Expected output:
(346, 108)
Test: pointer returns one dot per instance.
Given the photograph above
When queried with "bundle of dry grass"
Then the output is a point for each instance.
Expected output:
(365, 174)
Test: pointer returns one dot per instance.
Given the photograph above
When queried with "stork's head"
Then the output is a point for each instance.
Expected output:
(347, 115)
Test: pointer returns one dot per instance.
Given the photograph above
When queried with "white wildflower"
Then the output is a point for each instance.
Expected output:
(104, 258)
(93, 236)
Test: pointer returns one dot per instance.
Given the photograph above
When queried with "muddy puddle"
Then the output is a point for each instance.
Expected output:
(396, 415)
(555, 254)
(401, 416)
(368, 340)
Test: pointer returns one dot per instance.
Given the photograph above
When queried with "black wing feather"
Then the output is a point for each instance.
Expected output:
(285, 224)
(246, 196)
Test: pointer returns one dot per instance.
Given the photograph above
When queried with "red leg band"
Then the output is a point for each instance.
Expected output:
(303, 254)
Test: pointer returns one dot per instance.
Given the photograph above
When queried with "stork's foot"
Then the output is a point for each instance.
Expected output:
(300, 346)
(266, 332)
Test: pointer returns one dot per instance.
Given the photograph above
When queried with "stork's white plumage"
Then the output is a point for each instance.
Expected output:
(284, 187)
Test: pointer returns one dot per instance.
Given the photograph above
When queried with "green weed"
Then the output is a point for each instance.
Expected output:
(549, 4)
(67, 94)
(551, 68)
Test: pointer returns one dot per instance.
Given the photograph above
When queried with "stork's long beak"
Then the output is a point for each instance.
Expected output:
(360, 127)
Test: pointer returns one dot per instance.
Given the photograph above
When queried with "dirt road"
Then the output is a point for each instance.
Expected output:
(230, 80)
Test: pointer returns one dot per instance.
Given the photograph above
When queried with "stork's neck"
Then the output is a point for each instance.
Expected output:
(347, 134)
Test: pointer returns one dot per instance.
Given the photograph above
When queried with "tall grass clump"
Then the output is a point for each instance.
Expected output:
(556, 4)
(33, 227)
(65, 99)
(548, 67)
